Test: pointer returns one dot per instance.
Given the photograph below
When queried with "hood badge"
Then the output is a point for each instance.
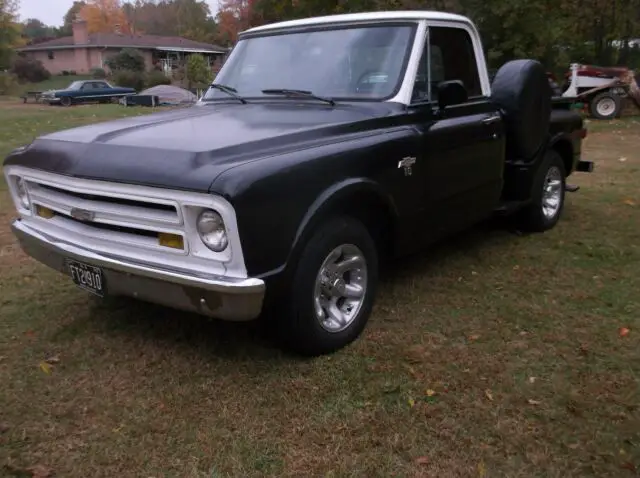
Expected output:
(82, 214)
(406, 163)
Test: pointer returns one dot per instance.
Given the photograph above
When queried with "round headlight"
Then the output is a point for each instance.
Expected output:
(212, 231)
(21, 188)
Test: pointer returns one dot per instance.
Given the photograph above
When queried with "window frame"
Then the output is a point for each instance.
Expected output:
(478, 56)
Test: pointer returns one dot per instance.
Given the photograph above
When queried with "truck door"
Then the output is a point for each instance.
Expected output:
(463, 147)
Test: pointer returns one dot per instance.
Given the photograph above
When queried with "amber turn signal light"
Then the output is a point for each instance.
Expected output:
(173, 241)
(44, 212)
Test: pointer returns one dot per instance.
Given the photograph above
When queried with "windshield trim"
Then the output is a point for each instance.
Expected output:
(414, 24)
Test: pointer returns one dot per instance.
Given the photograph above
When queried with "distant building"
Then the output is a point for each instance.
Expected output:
(83, 51)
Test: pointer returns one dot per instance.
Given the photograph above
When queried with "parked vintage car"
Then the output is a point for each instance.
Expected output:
(326, 146)
(83, 91)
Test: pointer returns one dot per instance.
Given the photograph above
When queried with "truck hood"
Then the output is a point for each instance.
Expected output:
(188, 148)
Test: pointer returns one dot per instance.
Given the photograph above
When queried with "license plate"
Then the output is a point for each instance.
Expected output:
(87, 277)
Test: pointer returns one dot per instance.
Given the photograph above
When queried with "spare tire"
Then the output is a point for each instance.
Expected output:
(521, 90)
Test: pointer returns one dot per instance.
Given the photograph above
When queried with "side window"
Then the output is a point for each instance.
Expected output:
(452, 58)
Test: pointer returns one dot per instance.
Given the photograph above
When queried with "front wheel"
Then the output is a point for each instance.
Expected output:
(333, 288)
(65, 101)
(605, 106)
(547, 196)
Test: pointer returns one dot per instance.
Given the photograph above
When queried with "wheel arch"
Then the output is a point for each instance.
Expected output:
(564, 147)
(360, 198)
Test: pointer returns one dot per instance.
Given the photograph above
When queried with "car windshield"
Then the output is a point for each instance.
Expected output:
(344, 63)
(75, 85)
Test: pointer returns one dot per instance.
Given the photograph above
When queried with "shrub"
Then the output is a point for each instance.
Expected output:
(8, 83)
(28, 69)
(73, 72)
(98, 73)
(128, 59)
(129, 79)
(65, 72)
(155, 78)
(198, 72)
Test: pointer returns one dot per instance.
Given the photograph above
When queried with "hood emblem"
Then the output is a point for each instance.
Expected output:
(82, 214)
(406, 163)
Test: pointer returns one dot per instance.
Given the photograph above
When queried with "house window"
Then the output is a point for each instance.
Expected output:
(50, 55)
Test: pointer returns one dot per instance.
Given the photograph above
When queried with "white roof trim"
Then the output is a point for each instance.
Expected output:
(414, 15)
(187, 50)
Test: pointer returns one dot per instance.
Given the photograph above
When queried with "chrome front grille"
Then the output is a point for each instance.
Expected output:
(144, 224)
(118, 218)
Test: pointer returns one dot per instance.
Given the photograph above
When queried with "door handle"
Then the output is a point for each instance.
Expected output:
(491, 119)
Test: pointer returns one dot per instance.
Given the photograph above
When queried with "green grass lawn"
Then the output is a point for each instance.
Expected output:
(491, 355)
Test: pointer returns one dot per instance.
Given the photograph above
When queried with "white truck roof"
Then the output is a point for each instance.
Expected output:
(415, 15)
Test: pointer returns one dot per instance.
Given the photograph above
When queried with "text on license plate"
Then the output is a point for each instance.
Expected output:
(88, 277)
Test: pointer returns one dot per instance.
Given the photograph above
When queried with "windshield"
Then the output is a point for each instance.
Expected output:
(75, 85)
(350, 63)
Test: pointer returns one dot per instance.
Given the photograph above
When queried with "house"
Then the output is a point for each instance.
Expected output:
(84, 51)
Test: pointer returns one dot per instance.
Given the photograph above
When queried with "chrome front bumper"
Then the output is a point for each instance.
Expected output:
(214, 296)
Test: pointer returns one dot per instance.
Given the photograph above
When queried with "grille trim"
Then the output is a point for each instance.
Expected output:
(195, 256)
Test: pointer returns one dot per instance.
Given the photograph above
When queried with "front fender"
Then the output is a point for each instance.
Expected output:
(343, 196)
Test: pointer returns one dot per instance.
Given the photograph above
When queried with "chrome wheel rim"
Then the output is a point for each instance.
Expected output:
(340, 288)
(606, 107)
(552, 193)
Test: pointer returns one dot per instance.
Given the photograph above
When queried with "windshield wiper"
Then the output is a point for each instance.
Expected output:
(228, 90)
(307, 94)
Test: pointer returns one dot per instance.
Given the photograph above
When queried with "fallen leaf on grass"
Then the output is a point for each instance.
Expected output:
(422, 460)
(482, 470)
(629, 466)
(629, 202)
(489, 394)
(412, 403)
(624, 331)
(53, 360)
(39, 471)
(45, 367)
(429, 392)
(534, 402)
(622, 160)
(573, 446)
(532, 379)
(474, 337)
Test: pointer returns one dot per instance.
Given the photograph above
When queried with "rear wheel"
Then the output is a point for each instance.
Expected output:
(547, 197)
(332, 291)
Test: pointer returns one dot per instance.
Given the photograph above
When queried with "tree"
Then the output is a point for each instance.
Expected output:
(69, 18)
(128, 59)
(10, 31)
(105, 16)
(34, 31)
(198, 72)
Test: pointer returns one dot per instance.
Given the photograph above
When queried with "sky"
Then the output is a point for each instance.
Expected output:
(50, 12)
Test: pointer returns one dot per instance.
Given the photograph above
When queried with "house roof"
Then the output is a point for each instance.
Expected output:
(155, 42)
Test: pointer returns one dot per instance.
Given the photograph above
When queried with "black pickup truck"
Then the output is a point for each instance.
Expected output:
(325, 146)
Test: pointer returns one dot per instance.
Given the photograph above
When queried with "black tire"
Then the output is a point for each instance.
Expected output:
(66, 101)
(522, 91)
(533, 217)
(299, 329)
(605, 106)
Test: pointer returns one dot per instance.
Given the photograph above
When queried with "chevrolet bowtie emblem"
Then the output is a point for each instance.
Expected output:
(406, 163)
(82, 214)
